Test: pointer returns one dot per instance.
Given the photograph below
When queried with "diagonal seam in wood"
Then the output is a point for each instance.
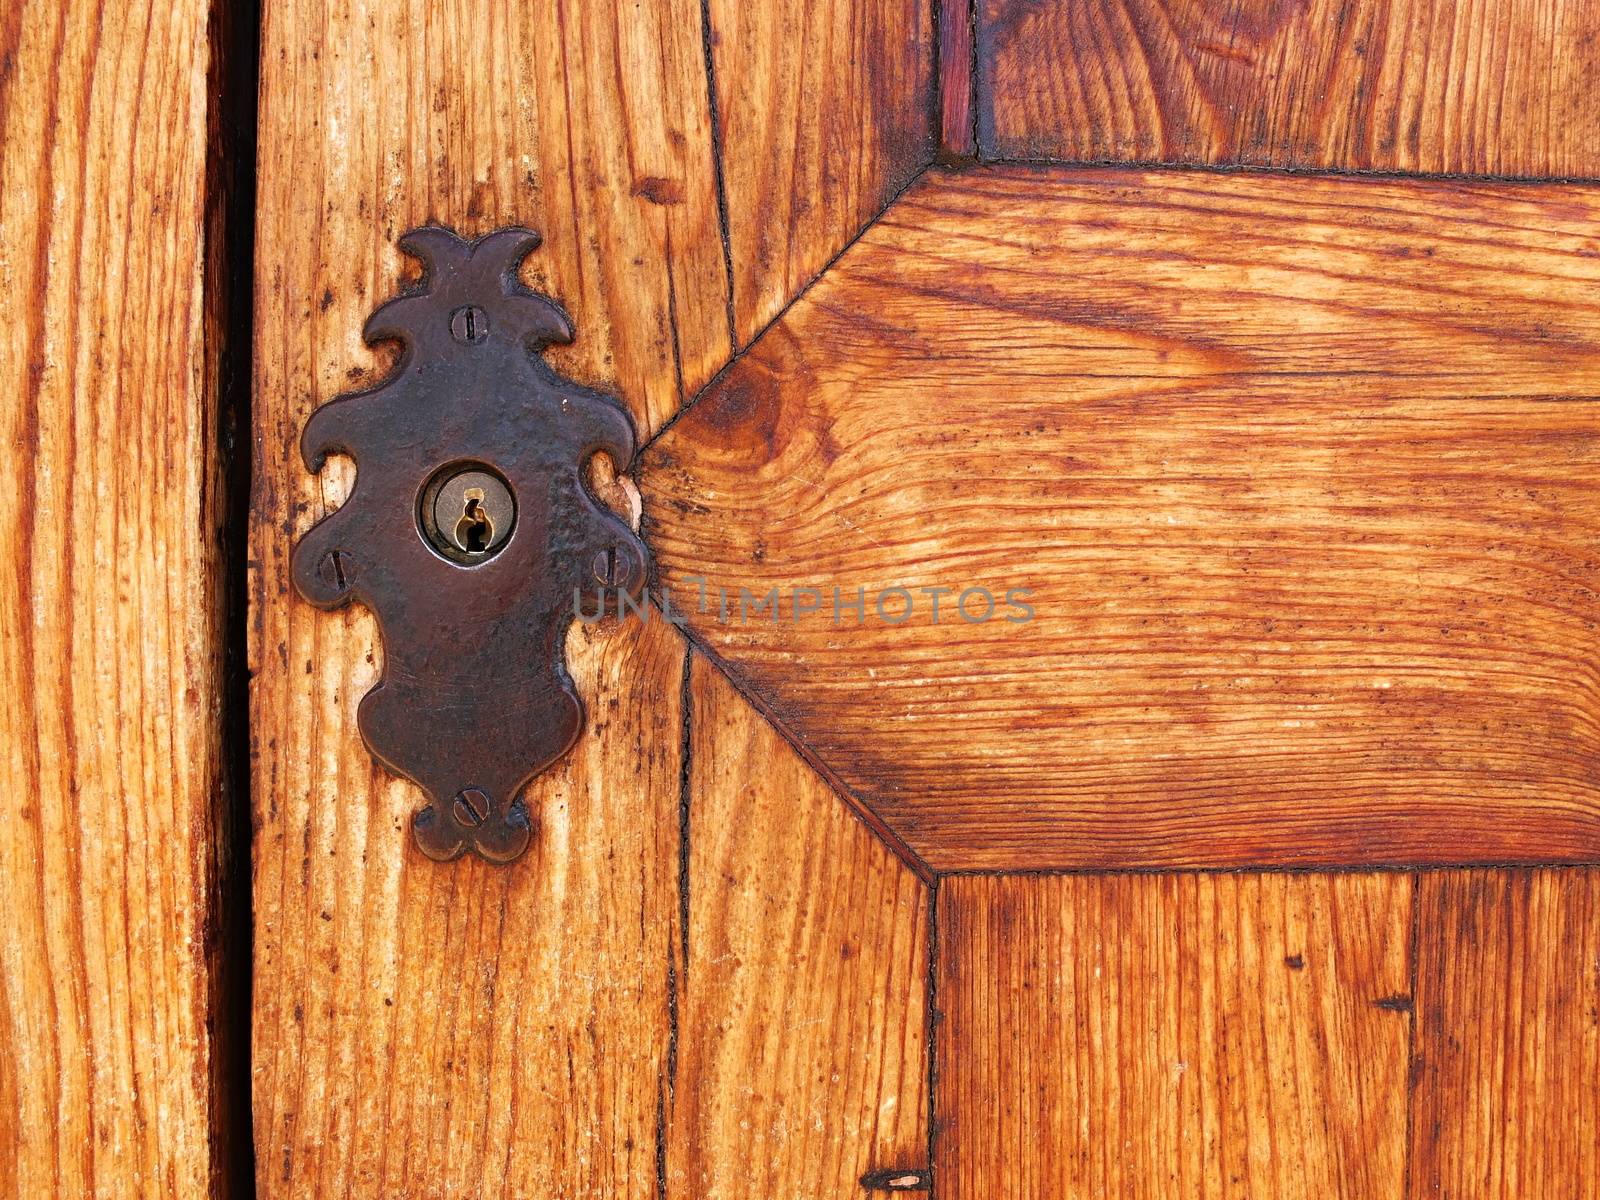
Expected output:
(851, 800)
(712, 384)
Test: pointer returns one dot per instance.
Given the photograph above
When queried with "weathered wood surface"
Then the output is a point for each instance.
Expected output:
(111, 603)
(444, 1030)
(1507, 1100)
(802, 1054)
(589, 123)
(1173, 1035)
(1301, 474)
(1390, 85)
(428, 1030)
(826, 110)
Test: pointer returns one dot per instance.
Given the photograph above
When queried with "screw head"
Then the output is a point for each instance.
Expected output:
(471, 807)
(469, 324)
(337, 569)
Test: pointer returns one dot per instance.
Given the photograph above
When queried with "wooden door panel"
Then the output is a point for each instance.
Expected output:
(1507, 1100)
(116, 1070)
(443, 1030)
(419, 1029)
(557, 1029)
(1438, 86)
(1300, 473)
(1173, 1035)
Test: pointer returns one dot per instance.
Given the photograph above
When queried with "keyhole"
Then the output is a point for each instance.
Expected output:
(467, 512)
(474, 531)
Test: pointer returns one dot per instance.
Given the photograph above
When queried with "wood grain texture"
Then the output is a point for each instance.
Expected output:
(448, 1031)
(826, 110)
(1173, 1035)
(802, 1057)
(1301, 475)
(1507, 1102)
(957, 132)
(1433, 86)
(589, 123)
(429, 1029)
(111, 603)
(445, 1031)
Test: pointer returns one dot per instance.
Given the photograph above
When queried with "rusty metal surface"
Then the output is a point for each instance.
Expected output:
(475, 698)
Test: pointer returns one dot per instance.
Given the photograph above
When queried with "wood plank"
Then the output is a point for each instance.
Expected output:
(414, 1023)
(1300, 473)
(111, 602)
(826, 110)
(958, 133)
(1439, 86)
(1173, 1035)
(802, 1057)
(1507, 1102)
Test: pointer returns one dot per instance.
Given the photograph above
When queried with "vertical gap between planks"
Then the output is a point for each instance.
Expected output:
(973, 98)
(708, 40)
(685, 803)
(936, 97)
(932, 1036)
(233, 37)
(1413, 967)
(677, 953)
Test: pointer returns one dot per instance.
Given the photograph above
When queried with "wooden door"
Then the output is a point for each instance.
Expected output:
(1292, 473)
(1125, 479)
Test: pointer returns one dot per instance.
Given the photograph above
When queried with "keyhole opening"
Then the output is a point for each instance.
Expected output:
(474, 531)
(467, 512)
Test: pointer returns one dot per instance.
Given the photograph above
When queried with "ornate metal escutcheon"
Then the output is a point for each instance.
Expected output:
(471, 536)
